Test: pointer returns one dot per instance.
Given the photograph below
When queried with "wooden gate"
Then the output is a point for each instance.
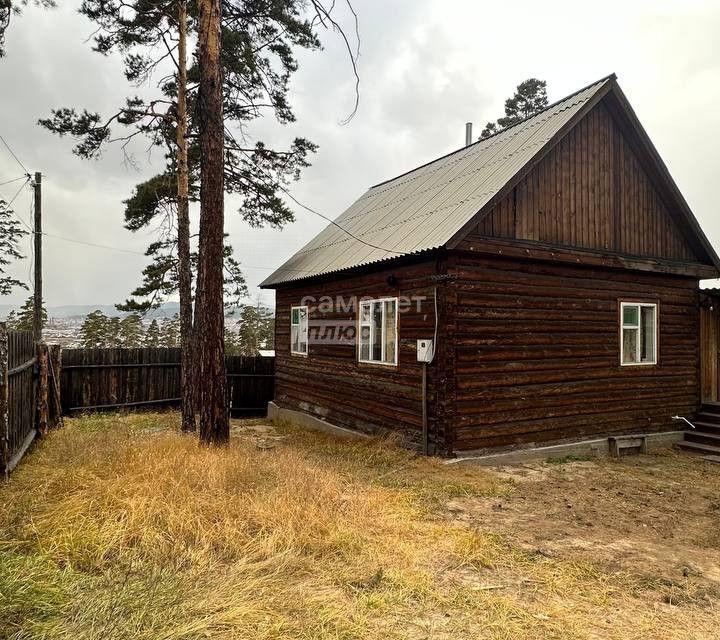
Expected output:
(251, 384)
(18, 395)
(709, 345)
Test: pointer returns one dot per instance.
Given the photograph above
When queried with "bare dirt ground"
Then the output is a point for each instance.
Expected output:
(654, 518)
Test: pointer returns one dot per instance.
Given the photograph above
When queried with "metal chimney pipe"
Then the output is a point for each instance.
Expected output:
(468, 133)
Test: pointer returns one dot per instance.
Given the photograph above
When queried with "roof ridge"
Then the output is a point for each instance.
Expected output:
(611, 76)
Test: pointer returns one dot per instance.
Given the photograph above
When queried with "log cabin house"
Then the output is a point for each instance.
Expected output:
(540, 285)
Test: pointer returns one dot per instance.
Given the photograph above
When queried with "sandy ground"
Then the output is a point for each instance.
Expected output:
(654, 517)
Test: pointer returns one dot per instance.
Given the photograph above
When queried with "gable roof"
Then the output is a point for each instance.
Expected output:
(433, 205)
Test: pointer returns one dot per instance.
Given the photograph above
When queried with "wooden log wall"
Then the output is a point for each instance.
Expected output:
(330, 382)
(537, 352)
(590, 191)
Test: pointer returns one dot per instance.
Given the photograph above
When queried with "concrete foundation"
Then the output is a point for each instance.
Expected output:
(599, 447)
(302, 419)
(595, 448)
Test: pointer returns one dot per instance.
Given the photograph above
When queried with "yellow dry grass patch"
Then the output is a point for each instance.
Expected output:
(120, 527)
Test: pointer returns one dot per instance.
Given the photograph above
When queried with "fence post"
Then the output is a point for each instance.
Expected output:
(54, 401)
(41, 418)
(4, 417)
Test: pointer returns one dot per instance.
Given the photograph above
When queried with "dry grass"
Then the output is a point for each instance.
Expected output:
(119, 527)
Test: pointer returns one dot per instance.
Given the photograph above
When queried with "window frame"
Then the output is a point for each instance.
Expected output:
(361, 324)
(654, 304)
(307, 330)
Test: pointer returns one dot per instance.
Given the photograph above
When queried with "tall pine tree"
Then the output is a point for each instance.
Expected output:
(529, 98)
(257, 58)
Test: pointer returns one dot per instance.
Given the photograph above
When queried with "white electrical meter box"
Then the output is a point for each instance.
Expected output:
(424, 350)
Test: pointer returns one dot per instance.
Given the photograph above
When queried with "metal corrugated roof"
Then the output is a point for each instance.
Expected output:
(422, 209)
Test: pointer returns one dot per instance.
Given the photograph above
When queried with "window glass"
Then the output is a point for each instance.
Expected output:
(299, 330)
(630, 315)
(364, 343)
(390, 337)
(365, 313)
(630, 343)
(647, 325)
(378, 332)
(639, 333)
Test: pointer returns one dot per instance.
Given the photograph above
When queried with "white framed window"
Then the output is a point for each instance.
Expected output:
(378, 331)
(638, 333)
(299, 330)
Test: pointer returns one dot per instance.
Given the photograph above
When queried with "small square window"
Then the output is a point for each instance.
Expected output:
(638, 333)
(378, 331)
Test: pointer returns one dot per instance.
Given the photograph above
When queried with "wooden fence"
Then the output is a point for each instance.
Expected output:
(112, 379)
(18, 395)
(251, 384)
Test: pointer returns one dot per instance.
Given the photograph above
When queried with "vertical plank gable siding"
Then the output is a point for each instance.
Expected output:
(537, 353)
(330, 383)
(592, 192)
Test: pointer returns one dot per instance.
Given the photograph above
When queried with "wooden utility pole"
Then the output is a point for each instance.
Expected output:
(187, 377)
(37, 302)
(209, 331)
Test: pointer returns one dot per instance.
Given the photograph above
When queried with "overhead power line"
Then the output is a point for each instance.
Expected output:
(2, 184)
(140, 253)
(92, 244)
(17, 193)
(12, 153)
(339, 226)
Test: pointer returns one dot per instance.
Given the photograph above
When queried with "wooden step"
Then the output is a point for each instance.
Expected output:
(697, 447)
(713, 409)
(708, 418)
(703, 437)
(706, 427)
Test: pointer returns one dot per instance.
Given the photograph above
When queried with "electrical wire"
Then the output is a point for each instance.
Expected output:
(24, 177)
(17, 193)
(92, 244)
(140, 253)
(12, 153)
(339, 226)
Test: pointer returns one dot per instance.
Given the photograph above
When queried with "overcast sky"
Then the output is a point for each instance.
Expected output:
(426, 67)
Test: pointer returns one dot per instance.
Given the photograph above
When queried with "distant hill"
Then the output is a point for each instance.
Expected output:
(166, 310)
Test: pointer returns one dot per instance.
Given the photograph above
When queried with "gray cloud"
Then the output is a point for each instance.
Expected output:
(426, 68)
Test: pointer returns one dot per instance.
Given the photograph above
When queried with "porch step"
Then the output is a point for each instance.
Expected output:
(698, 447)
(706, 427)
(707, 417)
(703, 437)
(711, 408)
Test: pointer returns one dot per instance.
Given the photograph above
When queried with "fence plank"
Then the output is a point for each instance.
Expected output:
(18, 395)
(105, 379)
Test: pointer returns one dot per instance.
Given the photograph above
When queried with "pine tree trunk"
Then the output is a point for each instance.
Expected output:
(214, 425)
(184, 276)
